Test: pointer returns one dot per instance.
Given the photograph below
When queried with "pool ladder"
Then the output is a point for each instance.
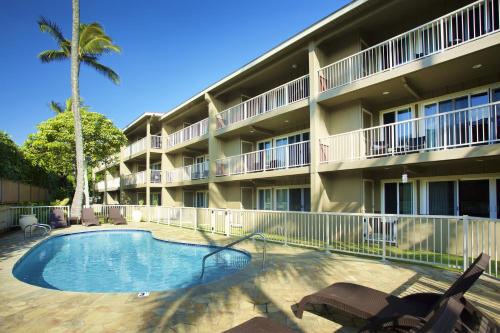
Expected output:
(231, 245)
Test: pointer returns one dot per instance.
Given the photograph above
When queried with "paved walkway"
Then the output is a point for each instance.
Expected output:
(291, 273)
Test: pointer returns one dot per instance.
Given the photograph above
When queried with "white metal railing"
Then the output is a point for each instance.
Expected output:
(109, 184)
(461, 128)
(189, 172)
(188, 133)
(156, 141)
(42, 213)
(282, 157)
(138, 178)
(458, 27)
(449, 241)
(135, 148)
(285, 94)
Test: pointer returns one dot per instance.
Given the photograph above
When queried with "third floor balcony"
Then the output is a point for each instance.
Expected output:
(140, 146)
(188, 133)
(140, 178)
(277, 158)
(468, 127)
(459, 27)
(286, 94)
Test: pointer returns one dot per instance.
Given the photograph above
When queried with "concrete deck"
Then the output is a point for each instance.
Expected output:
(291, 273)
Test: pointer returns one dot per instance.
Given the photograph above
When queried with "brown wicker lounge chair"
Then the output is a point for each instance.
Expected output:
(260, 325)
(380, 308)
(89, 218)
(115, 216)
(57, 219)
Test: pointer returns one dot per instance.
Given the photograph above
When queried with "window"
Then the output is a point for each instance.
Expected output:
(474, 197)
(188, 198)
(155, 198)
(201, 199)
(265, 199)
(442, 198)
(401, 131)
(398, 198)
(282, 199)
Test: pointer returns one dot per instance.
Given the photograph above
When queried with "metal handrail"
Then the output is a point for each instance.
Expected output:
(234, 243)
(47, 228)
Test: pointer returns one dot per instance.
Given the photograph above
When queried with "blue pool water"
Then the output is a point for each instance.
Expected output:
(122, 261)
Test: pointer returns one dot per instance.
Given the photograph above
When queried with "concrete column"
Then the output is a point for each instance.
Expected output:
(148, 155)
(318, 129)
(215, 191)
(164, 167)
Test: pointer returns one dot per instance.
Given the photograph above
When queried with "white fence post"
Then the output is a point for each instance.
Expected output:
(195, 222)
(227, 225)
(327, 230)
(383, 220)
(466, 242)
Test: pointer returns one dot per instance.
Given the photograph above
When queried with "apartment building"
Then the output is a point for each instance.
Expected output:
(381, 107)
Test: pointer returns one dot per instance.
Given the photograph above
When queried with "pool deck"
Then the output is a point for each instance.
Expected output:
(291, 273)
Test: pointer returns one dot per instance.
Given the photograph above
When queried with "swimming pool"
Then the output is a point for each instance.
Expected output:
(122, 261)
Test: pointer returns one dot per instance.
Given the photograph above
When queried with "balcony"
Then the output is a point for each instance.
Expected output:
(139, 178)
(467, 127)
(190, 172)
(191, 132)
(459, 27)
(141, 145)
(282, 157)
(283, 95)
(112, 185)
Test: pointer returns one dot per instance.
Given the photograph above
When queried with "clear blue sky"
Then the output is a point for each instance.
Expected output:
(171, 51)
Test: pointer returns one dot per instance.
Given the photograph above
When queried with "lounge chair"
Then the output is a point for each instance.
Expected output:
(57, 219)
(115, 216)
(446, 317)
(89, 218)
(380, 308)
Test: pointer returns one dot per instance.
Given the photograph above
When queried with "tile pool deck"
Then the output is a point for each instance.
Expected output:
(291, 273)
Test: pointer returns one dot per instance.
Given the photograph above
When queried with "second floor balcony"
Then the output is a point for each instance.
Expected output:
(464, 25)
(108, 185)
(140, 146)
(188, 133)
(187, 173)
(140, 178)
(466, 127)
(281, 157)
(283, 95)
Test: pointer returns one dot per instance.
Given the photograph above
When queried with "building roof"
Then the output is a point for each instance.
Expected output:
(141, 117)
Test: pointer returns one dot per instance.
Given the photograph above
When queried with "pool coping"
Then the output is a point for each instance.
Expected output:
(126, 229)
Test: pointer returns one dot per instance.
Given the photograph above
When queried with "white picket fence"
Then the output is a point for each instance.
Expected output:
(449, 241)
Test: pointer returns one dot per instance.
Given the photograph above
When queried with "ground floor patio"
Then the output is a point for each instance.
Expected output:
(291, 272)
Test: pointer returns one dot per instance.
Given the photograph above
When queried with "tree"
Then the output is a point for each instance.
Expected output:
(52, 147)
(88, 43)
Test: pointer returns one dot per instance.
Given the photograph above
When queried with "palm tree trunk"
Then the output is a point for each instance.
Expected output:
(76, 205)
(86, 184)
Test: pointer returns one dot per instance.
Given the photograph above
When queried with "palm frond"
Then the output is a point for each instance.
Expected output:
(53, 55)
(52, 29)
(56, 107)
(104, 70)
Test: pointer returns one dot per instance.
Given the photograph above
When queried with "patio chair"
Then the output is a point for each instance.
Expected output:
(57, 219)
(380, 308)
(89, 218)
(115, 216)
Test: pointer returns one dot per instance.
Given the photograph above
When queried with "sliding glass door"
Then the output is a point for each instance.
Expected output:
(398, 198)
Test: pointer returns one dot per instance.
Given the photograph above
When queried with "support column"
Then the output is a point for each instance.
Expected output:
(148, 155)
(215, 192)
(164, 167)
(317, 125)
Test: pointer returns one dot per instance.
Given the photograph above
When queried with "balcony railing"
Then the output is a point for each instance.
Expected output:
(138, 178)
(461, 128)
(140, 145)
(282, 157)
(285, 94)
(189, 172)
(112, 184)
(188, 133)
(461, 26)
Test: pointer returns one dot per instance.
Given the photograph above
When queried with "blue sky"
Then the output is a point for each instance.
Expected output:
(171, 51)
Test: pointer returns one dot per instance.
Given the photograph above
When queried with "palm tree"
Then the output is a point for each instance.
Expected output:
(93, 43)
(88, 43)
